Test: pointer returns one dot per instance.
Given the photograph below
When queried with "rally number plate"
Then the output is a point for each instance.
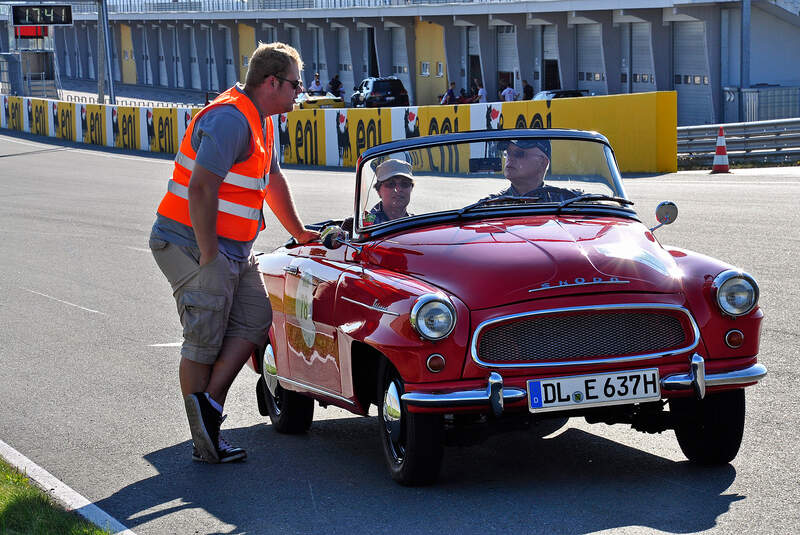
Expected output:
(630, 386)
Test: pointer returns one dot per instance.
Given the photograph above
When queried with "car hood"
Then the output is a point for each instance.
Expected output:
(497, 262)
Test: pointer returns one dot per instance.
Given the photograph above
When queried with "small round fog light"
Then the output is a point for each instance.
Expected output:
(435, 363)
(734, 338)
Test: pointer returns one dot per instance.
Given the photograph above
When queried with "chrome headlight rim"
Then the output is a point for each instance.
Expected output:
(724, 278)
(424, 300)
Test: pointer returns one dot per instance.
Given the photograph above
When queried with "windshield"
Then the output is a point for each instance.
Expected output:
(382, 86)
(520, 174)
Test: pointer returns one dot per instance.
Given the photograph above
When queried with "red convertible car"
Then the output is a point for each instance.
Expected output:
(498, 279)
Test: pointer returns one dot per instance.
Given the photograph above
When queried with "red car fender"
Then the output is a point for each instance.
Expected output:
(699, 272)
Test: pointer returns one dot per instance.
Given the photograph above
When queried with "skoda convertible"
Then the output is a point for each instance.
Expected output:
(481, 305)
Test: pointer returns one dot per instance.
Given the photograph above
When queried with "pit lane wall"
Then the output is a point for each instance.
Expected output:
(641, 127)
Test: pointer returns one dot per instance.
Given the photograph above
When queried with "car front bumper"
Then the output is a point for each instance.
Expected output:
(496, 396)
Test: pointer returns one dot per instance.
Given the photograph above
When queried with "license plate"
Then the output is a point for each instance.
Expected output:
(630, 386)
(389, 98)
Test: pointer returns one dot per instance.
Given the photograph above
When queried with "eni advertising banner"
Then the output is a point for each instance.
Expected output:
(301, 137)
(38, 117)
(183, 118)
(432, 120)
(125, 127)
(158, 129)
(361, 129)
(15, 118)
(93, 123)
(64, 120)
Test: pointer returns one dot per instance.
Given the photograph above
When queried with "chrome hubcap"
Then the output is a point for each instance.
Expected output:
(392, 418)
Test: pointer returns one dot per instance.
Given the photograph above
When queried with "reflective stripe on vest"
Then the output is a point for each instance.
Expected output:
(244, 186)
(231, 178)
(224, 206)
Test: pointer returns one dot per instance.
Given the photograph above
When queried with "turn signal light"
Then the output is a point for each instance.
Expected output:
(734, 338)
(435, 363)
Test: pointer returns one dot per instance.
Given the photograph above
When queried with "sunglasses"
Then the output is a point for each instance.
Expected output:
(518, 154)
(403, 183)
(295, 83)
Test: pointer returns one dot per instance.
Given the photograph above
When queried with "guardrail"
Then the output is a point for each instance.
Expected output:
(775, 141)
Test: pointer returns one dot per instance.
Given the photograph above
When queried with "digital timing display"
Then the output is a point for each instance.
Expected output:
(41, 15)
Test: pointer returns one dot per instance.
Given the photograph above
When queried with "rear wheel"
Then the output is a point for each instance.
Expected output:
(412, 443)
(709, 431)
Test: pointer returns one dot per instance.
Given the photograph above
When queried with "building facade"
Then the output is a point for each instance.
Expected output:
(706, 51)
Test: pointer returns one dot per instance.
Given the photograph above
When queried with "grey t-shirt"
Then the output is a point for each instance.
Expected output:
(220, 138)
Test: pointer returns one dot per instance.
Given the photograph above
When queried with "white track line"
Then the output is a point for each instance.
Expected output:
(65, 302)
(71, 500)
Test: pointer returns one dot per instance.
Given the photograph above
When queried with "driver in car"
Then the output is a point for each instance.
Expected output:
(526, 164)
(394, 182)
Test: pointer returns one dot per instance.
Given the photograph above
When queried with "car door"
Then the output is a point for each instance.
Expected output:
(312, 342)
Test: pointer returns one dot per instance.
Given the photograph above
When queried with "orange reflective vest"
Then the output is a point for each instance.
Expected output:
(241, 194)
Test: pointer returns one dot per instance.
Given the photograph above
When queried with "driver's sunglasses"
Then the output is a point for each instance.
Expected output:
(295, 83)
(403, 183)
(516, 154)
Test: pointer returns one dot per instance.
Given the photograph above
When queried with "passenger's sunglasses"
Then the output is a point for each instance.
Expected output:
(403, 183)
(295, 83)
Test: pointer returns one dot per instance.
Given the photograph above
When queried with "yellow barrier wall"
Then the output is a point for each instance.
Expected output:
(39, 119)
(93, 123)
(641, 127)
(125, 127)
(65, 125)
(16, 119)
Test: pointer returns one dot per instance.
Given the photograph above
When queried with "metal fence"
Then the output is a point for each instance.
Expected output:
(759, 141)
(161, 6)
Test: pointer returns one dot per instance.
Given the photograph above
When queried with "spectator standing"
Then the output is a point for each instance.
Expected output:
(481, 95)
(450, 96)
(335, 86)
(527, 90)
(508, 94)
(315, 87)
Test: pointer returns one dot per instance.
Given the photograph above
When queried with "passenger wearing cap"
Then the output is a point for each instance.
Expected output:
(394, 182)
(526, 164)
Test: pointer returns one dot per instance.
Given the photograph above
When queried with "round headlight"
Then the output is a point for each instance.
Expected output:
(433, 317)
(737, 292)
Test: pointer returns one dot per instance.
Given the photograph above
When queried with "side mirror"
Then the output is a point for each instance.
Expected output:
(666, 214)
(333, 237)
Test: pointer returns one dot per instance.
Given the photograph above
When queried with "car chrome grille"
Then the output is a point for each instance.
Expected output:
(584, 335)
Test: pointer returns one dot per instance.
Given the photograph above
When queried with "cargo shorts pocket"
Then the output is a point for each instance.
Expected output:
(203, 318)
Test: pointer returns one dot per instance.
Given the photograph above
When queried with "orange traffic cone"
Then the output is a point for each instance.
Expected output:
(721, 156)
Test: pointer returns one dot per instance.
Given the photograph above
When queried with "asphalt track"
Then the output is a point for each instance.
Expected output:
(88, 379)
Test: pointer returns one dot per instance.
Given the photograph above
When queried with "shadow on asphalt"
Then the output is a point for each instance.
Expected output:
(333, 480)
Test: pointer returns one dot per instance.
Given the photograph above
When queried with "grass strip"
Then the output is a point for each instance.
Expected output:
(26, 510)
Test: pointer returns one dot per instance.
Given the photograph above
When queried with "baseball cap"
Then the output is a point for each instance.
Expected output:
(541, 144)
(390, 168)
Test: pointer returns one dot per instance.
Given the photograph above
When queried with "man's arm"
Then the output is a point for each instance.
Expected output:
(279, 199)
(203, 204)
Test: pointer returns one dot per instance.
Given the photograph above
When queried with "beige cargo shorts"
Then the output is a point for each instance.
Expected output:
(222, 298)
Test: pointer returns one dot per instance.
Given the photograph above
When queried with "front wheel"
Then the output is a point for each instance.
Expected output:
(291, 413)
(709, 431)
(412, 443)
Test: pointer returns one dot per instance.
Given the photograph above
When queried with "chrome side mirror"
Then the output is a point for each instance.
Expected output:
(666, 213)
(334, 237)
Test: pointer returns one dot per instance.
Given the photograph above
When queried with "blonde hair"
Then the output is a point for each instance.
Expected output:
(271, 59)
